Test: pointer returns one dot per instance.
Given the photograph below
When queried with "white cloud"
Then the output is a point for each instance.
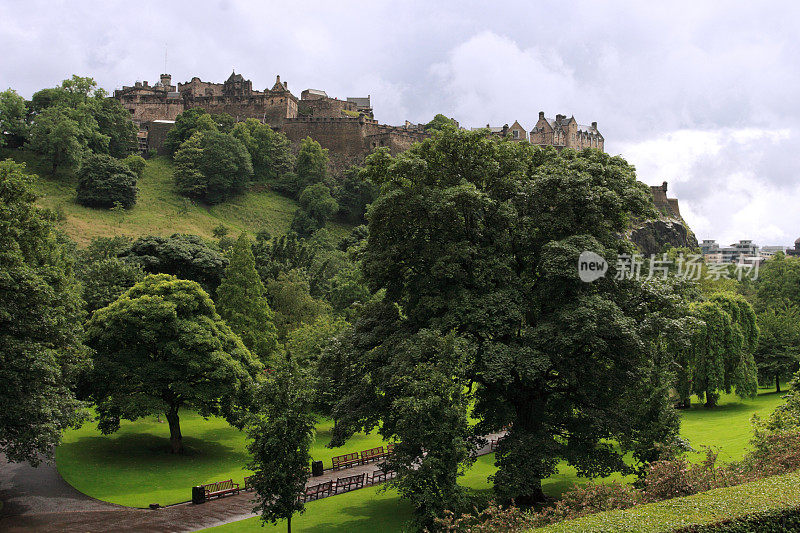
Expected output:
(701, 94)
(723, 181)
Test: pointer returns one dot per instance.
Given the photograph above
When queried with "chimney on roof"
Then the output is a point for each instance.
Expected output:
(286, 85)
(594, 125)
(559, 118)
(488, 126)
(541, 114)
(505, 130)
(145, 84)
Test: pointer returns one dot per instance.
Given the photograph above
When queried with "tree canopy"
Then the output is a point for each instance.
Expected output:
(184, 256)
(161, 347)
(13, 123)
(104, 181)
(41, 316)
(282, 433)
(480, 237)
(212, 167)
(269, 150)
(241, 301)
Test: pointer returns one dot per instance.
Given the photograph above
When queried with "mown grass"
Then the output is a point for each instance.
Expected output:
(134, 466)
(727, 428)
(159, 209)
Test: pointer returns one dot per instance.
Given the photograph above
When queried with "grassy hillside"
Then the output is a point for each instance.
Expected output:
(159, 209)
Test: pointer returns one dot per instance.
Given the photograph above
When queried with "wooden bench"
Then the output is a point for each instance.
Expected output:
(372, 454)
(345, 461)
(315, 492)
(379, 476)
(248, 483)
(219, 489)
(346, 484)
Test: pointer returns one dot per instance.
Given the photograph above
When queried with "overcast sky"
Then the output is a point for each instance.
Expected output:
(700, 94)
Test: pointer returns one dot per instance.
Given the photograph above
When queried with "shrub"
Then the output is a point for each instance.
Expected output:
(579, 501)
(104, 181)
(136, 163)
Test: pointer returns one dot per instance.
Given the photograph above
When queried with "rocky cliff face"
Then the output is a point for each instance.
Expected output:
(652, 235)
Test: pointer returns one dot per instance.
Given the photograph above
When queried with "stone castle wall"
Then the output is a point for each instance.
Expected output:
(325, 107)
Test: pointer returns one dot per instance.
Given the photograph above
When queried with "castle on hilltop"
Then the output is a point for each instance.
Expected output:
(346, 127)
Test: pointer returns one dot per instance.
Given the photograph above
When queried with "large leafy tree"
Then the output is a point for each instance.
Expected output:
(212, 166)
(290, 298)
(241, 301)
(312, 164)
(184, 256)
(440, 122)
(481, 237)
(40, 325)
(63, 135)
(102, 124)
(778, 282)
(712, 341)
(162, 347)
(282, 433)
(104, 181)
(269, 150)
(778, 353)
(184, 128)
(13, 123)
(317, 206)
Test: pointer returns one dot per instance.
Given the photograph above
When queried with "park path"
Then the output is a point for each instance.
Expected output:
(38, 499)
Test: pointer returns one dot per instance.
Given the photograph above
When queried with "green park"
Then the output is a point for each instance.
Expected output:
(235, 310)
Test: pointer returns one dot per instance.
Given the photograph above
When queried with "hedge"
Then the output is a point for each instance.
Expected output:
(771, 504)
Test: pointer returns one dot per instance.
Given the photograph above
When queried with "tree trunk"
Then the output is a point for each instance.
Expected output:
(175, 437)
(777, 383)
(711, 399)
(289, 524)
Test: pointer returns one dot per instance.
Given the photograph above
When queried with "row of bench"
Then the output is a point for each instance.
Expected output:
(344, 484)
(353, 459)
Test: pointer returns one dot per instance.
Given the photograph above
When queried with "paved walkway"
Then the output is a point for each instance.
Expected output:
(38, 499)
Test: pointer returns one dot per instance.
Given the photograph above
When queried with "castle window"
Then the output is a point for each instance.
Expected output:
(516, 134)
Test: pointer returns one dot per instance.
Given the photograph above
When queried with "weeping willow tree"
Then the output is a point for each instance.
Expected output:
(720, 355)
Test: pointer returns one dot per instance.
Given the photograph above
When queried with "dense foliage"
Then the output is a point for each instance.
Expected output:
(162, 347)
(242, 303)
(13, 123)
(41, 316)
(212, 166)
(479, 238)
(282, 433)
(77, 118)
(269, 150)
(104, 181)
(184, 256)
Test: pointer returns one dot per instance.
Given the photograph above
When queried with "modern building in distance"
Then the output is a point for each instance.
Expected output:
(738, 252)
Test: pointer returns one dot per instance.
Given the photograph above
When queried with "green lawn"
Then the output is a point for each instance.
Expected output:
(159, 209)
(134, 467)
(726, 427)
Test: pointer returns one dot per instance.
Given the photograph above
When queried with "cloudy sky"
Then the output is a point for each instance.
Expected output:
(703, 95)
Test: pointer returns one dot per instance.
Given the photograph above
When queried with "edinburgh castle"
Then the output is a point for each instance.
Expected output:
(346, 127)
